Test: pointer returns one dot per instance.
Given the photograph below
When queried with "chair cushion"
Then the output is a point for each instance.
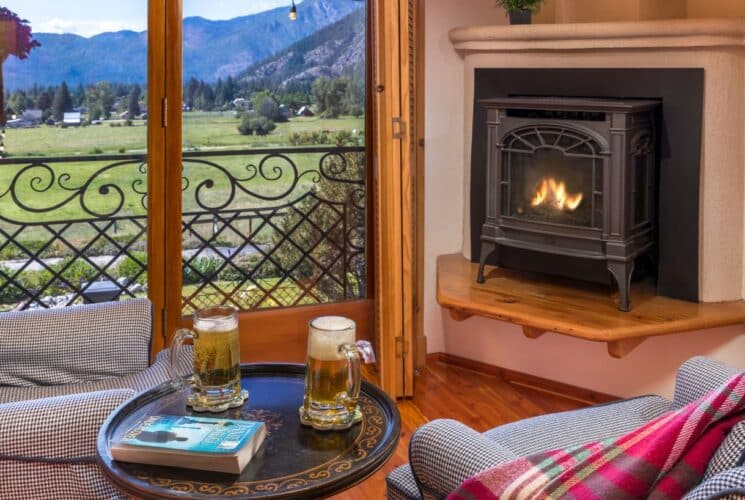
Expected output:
(572, 428)
(731, 453)
(75, 344)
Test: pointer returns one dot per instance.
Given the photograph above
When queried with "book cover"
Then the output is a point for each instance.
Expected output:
(221, 445)
(195, 434)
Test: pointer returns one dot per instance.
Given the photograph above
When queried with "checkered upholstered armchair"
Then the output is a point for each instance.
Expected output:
(444, 453)
(62, 372)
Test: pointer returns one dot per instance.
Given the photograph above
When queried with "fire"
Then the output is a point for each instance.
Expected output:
(554, 193)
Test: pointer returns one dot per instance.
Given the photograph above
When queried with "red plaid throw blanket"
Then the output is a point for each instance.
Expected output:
(660, 460)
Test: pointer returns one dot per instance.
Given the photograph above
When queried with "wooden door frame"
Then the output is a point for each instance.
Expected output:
(156, 156)
(398, 183)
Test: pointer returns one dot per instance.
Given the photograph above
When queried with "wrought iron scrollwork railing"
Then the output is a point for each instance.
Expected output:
(261, 228)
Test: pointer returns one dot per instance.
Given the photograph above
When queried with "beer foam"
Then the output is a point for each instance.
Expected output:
(216, 324)
(327, 334)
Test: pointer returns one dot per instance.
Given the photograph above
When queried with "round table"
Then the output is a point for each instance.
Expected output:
(294, 461)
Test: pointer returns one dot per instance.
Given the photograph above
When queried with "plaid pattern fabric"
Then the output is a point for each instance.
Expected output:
(570, 428)
(400, 484)
(444, 453)
(48, 446)
(697, 377)
(727, 485)
(75, 344)
(660, 460)
(730, 454)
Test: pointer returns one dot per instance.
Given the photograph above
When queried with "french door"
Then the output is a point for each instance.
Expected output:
(264, 186)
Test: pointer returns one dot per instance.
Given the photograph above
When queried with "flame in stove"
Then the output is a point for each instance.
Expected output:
(554, 194)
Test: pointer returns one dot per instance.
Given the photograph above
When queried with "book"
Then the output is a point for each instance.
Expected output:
(213, 444)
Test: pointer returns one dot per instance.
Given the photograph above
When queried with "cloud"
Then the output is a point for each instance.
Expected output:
(84, 28)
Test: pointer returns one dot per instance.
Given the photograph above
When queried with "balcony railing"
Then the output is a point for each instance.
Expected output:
(261, 228)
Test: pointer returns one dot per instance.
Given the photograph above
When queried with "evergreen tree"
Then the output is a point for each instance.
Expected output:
(43, 101)
(133, 102)
(62, 101)
(78, 95)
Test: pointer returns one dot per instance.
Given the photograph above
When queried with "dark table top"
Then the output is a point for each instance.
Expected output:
(294, 461)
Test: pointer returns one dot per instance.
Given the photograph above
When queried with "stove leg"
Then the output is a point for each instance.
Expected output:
(622, 272)
(487, 248)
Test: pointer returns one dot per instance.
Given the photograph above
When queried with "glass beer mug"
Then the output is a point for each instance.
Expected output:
(333, 378)
(216, 381)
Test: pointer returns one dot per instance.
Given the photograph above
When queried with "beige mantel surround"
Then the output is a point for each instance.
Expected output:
(716, 45)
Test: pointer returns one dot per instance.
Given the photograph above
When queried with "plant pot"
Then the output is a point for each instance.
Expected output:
(524, 16)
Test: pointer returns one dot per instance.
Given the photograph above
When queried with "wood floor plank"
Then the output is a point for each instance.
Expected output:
(443, 390)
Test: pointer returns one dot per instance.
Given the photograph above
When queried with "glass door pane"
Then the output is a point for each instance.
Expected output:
(73, 172)
(274, 177)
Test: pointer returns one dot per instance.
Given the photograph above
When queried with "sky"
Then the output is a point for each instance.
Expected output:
(90, 17)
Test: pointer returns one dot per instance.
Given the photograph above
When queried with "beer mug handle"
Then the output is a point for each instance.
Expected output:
(177, 344)
(362, 349)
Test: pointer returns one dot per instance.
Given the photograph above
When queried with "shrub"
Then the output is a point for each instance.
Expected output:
(245, 128)
(131, 269)
(512, 5)
(309, 138)
(96, 151)
(263, 126)
(201, 269)
(75, 270)
(344, 138)
(122, 150)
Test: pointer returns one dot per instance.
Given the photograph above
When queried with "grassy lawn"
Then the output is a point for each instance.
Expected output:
(48, 199)
(202, 131)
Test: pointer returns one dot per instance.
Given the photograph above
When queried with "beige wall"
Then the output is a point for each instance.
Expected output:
(648, 369)
(444, 139)
(583, 11)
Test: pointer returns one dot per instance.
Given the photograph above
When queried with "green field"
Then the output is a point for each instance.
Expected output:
(48, 195)
(201, 131)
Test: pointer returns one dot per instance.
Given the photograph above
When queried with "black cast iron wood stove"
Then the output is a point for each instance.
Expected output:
(573, 177)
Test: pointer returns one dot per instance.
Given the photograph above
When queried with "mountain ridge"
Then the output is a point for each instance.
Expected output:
(329, 52)
(212, 49)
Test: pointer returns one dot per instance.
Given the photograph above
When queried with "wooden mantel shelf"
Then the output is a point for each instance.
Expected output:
(567, 307)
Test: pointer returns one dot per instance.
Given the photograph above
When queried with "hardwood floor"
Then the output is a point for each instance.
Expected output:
(480, 400)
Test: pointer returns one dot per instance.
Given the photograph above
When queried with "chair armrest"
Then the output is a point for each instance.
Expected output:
(444, 453)
(75, 344)
(699, 376)
(56, 430)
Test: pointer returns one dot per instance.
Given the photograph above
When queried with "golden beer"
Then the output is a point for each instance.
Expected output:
(216, 382)
(333, 379)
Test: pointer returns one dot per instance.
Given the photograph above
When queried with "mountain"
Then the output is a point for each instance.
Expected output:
(330, 52)
(212, 49)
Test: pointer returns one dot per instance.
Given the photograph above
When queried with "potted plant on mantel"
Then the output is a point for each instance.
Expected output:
(520, 11)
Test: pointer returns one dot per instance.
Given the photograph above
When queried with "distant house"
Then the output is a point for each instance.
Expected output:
(73, 119)
(285, 112)
(124, 115)
(32, 117)
(241, 103)
(305, 111)
(28, 119)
